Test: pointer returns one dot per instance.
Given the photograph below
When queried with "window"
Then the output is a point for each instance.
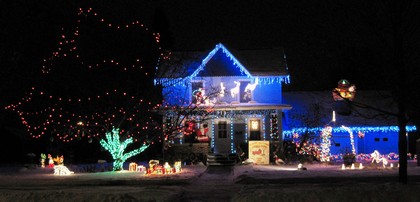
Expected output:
(222, 129)
(245, 94)
(385, 139)
(337, 144)
(377, 139)
(255, 129)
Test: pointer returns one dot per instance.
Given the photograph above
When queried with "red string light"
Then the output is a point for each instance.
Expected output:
(60, 120)
(68, 44)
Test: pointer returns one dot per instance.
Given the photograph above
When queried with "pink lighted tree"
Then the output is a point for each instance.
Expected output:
(98, 78)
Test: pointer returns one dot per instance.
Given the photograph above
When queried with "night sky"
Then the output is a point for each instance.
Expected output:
(325, 41)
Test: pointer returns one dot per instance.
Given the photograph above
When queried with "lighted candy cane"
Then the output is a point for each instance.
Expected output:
(353, 150)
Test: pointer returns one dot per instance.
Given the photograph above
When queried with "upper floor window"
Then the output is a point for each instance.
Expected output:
(245, 94)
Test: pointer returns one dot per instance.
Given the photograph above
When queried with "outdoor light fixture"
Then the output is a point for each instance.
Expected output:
(300, 167)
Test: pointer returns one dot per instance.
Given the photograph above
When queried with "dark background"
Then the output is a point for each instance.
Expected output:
(324, 41)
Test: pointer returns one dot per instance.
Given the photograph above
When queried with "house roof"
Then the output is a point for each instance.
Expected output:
(371, 111)
(263, 62)
(364, 110)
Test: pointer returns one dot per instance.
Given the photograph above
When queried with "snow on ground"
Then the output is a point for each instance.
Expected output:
(320, 182)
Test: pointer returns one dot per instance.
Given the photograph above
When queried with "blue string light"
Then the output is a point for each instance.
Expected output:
(185, 81)
(366, 129)
(246, 130)
(212, 133)
(232, 146)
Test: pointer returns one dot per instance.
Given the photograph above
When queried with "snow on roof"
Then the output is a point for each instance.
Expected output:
(315, 109)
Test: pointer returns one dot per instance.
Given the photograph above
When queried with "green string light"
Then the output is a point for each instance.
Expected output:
(117, 147)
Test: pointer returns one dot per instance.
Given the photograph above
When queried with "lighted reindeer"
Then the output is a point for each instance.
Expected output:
(222, 90)
(377, 157)
(235, 91)
(251, 87)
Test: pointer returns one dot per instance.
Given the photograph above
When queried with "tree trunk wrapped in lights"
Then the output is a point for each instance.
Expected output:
(117, 147)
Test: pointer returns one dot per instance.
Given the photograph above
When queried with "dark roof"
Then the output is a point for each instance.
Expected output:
(262, 62)
(363, 113)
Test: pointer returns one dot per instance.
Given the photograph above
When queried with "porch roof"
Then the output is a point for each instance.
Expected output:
(230, 107)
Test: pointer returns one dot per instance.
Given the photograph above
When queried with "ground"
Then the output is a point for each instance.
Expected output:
(320, 182)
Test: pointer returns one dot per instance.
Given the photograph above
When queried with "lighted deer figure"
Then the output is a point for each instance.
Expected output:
(251, 87)
(235, 91)
(376, 156)
(222, 90)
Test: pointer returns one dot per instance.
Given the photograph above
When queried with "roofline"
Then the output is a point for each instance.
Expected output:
(241, 107)
(212, 53)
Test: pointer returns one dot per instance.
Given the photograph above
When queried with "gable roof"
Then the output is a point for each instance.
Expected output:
(250, 63)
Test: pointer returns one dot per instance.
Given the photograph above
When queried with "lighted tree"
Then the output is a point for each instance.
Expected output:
(116, 147)
(326, 144)
(99, 77)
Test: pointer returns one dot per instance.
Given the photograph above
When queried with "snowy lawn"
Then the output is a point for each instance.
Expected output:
(319, 182)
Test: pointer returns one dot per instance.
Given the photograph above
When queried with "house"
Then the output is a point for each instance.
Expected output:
(369, 125)
(223, 97)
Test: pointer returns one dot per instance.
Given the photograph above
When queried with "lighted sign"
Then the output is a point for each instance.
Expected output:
(259, 152)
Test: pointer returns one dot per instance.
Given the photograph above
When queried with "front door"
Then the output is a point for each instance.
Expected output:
(222, 135)
(255, 129)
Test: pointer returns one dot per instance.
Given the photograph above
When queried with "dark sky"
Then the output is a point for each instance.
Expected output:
(325, 41)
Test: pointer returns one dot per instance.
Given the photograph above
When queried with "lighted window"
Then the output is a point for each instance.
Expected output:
(222, 129)
(255, 129)
(255, 125)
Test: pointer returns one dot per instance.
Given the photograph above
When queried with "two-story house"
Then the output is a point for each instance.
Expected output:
(223, 97)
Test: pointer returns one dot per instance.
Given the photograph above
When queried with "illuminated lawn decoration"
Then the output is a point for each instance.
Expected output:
(132, 167)
(378, 158)
(156, 168)
(50, 161)
(325, 144)
(42, 160)
(116, 148)
(177, 166)
(62, 170)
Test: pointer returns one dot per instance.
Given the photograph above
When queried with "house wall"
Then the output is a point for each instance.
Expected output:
(225, 90)
(269, 93)
(175, 95)
(384, 142)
